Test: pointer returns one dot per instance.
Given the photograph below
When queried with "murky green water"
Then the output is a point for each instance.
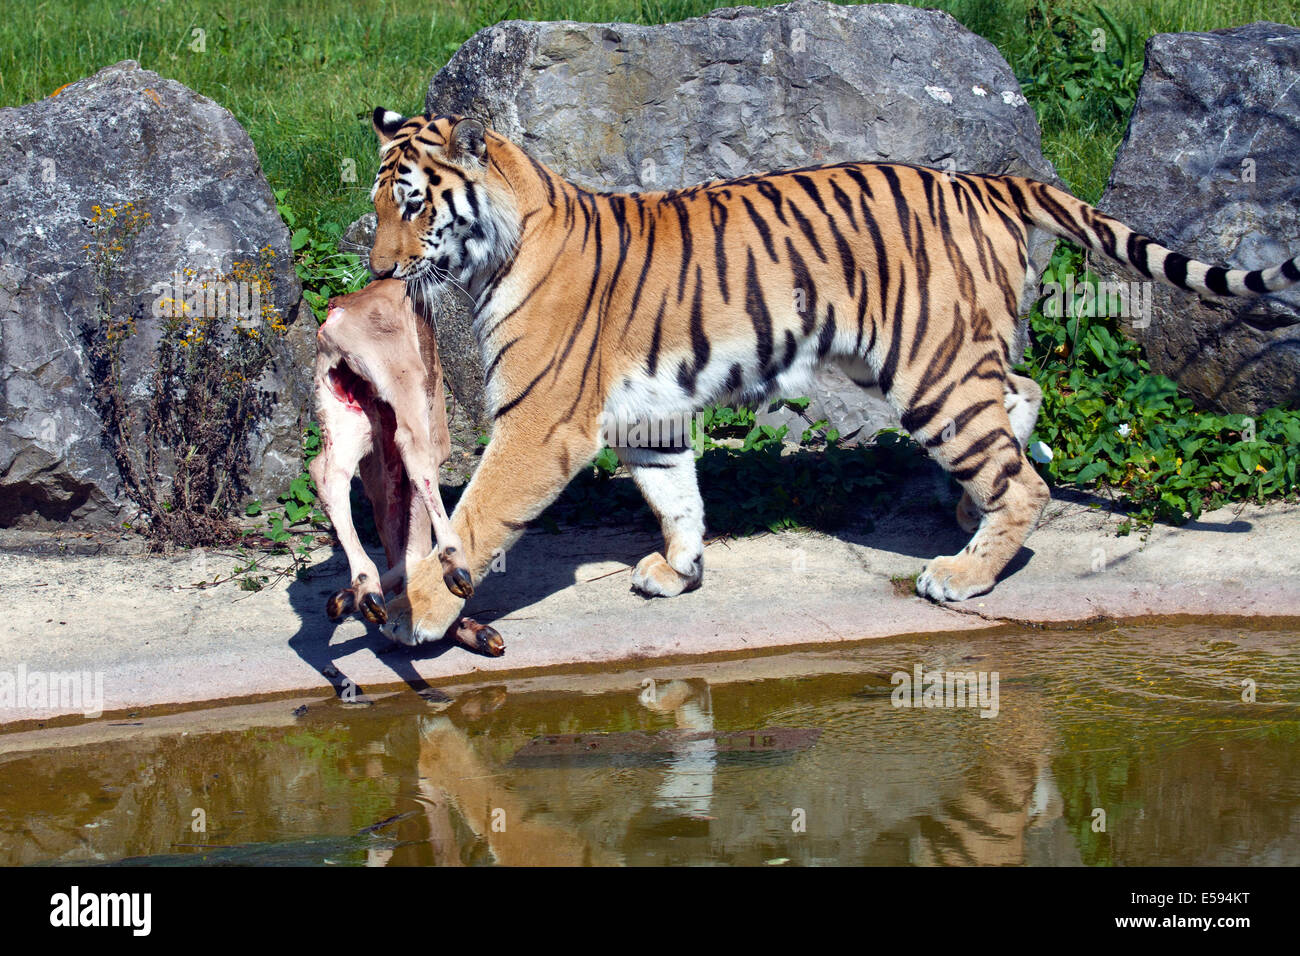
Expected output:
(1122, 746)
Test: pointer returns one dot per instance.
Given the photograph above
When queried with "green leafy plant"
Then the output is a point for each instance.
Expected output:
(324, 270)
(300, 505)
(1111, 422)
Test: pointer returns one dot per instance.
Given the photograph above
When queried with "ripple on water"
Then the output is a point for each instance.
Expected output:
(1149, 723)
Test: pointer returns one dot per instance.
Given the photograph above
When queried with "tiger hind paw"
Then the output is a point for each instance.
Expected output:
(655, 577)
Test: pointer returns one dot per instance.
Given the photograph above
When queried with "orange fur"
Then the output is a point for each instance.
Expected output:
(599, 306)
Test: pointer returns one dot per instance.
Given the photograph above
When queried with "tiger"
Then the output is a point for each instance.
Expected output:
(640, 306)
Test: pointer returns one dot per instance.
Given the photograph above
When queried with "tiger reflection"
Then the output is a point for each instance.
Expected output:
(919, 799)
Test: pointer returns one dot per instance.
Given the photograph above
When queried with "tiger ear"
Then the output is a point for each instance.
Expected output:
(387, 123)
(468, 141)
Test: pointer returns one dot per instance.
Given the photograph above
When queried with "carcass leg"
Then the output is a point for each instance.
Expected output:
(346, 439)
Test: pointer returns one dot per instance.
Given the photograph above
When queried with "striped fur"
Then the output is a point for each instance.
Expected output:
(598, 306)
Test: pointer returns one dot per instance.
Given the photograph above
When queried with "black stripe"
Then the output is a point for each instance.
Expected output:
(849, 263)
(1107, 236)
(791, 344)
(648, 254)
(772, 195)
(1058, 212)
(988, 367)
(1137, 253)
(802, 280)
(810, 188)
(806, 227)
(846, 204)
(758, 314)
(487, 373)
(1176, 269)
(1216, 280)
(652, 360)
(718, 217)
(882, 262)
(471, 194)
(591, 288)
(684, 222)
(761, 225)
(918, 416)
(699, 341)
(976, 231)
(524, 394)
(984, 441)
(976, 188)
(862, 316)
(827, 337)
(923, 290)
(900, 205)
(890, 364)
(1018, 198)
(487, 334)
(1002, 481)
(927, 182)
(941, 361)
(855, 174)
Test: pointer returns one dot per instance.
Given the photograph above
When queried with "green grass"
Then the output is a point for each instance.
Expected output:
(302, 77)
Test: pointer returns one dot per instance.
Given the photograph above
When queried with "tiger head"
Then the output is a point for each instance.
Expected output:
(445, 216)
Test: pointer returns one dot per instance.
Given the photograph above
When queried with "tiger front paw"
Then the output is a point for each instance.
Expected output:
(425, 611)
(954, 578)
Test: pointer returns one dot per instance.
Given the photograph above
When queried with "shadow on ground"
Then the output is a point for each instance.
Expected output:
(909, 513)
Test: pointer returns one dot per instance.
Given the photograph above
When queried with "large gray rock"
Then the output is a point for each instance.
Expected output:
(1210, 166)
(122, 135)
(625, 107)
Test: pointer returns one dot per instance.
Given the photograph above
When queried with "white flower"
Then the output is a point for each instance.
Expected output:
(1040, 452)
(1124, 430)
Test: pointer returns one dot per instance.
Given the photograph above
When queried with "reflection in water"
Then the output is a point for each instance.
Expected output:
(687, 787)
(1118, 746)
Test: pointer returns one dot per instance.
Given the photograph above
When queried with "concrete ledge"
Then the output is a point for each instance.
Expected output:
(563, 603)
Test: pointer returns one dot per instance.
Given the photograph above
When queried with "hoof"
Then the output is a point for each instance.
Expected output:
(372, 606)
(480, 637)
(459, 583)
(341, 603)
